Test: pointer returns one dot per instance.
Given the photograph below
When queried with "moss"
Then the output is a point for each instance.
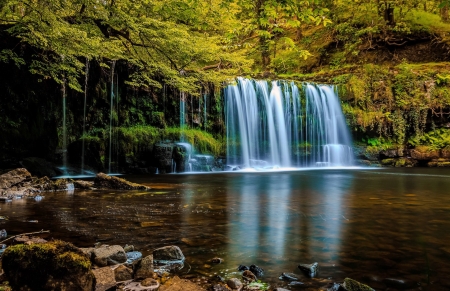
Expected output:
(36, 262)
(352, 285)
(388, 162)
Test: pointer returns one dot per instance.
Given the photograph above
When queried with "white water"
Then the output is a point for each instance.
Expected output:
(279, 125)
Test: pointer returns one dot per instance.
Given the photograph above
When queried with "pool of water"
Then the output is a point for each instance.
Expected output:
(378, 226)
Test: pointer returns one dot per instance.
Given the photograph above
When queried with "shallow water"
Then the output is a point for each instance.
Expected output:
(365, 224)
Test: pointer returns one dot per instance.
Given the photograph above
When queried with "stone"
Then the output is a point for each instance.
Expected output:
(422, 153)
(84, 185)
(181, 154)
(109, 255)
(289, 277)
(138, 286)
(234, 283)
(150, 282)
(28, 240)
(242, 268)
(168, 254)
(280, 289)
(310, 270)
(259, 272)
(128, 248)
(133, 256)
(54, 265)
(336, 287)
(122, 273)
(219, 287)
(248, 276)
(104, 278)
(14, 177)
(105, 181)
(352, 285)
(163, 154)
(144, 268)
(177, 284)
(216, 260)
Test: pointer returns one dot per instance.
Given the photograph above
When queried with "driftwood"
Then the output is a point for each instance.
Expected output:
(22, 234)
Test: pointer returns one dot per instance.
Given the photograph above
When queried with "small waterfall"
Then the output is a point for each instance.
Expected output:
(182, 115)
(277, 125)
(113, 64)
(64, 150)
(86, 76)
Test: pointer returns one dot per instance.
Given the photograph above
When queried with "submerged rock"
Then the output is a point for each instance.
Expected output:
(259, 272)
(167, 255)
(55, 265)
(310, 270)
(353, 285)
(289, 277)
(109, 255)
(110, 182)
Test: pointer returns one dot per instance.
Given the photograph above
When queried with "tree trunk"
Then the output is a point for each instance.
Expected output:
(444, 13)
(263, 40)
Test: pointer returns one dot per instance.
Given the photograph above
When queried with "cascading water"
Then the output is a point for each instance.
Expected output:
(86, 77)
(277, 125)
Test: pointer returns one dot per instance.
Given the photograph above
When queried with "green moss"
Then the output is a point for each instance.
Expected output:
(352, 285)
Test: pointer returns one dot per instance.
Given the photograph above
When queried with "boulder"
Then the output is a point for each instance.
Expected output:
(55, 265)
(163, 154)
(422, 153)
(104, 278)
(352, 285)
(111, 182)
(181, 154)
(84, 185)
(14, 177)
(144, 268)
(234, 284)
(109, 255)
(248, 276)
(167, 255)
(259, 272)
(310, 270)
(122, 273)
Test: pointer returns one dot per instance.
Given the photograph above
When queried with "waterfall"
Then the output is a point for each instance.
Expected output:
(86, 76)
(182, 115)
(277, 124)
(111, 115)
(64, 150)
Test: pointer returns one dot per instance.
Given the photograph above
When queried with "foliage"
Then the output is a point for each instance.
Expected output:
(436, 139)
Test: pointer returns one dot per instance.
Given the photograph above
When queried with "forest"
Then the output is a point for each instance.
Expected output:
(131, 62)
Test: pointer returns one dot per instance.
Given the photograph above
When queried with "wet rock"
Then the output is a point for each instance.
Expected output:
(177, 284)
(242, 268)
(109, 255)
(336, 287)
(138, 286)
(122, 273)
(310, 270)
(14, 177)
(144, 268)
(181, 154)
(25, 239)
(248, 276)
(111, 182)
(259, 272)
(39, 167)
(163, 153)
(352, 285)
(280, 289)
(296, 283)
(128, 248)
(3, 233)
(150, 282)
(289, 277)
(220, 288)
(168, 254)
(84, 185)
(234, 284)
(104, 278)
(422, 153)
(217, 260)
(133, 256)
(55, 265)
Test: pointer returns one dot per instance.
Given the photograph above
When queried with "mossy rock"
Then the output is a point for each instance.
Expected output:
(55, 265)
(111, 182)
(388, 162)
(352, 285)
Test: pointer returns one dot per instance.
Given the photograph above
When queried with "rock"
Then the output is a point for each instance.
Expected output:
(352, 285)
(289, 277)
(336, 287)
(150, 282)
(133, 256)
(439, 163)
(181, 154)
(248, 276)
(422, 153)
(88, 251)
(167, 255)
(39, 167)
(24, 239)
(280, 289)
(55, 265)
(242, 268)
(104, 278)
(111, 182)
(144, 268)
(84, 185)
(177, 284)
(216, 260)
(14, 177)
(3, 233)
(128, 248)
(163, 153)
(259, 272)
(234, 284)
(219, 287)
(122, 273)
(310, 270)
(109, 255)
